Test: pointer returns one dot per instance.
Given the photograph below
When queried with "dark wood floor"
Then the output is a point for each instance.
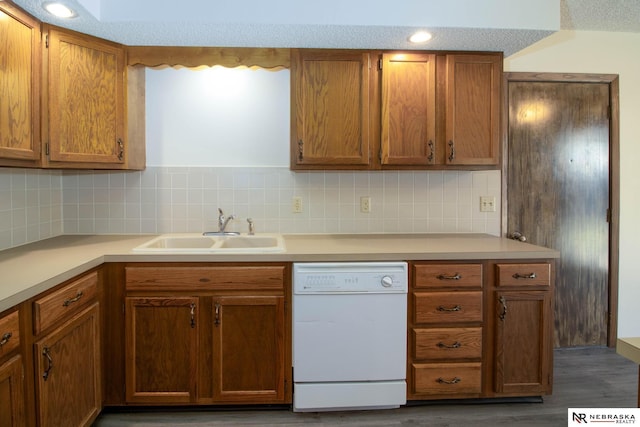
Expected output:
(592, 377)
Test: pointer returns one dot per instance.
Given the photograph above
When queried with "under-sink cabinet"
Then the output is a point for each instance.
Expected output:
(207, 334)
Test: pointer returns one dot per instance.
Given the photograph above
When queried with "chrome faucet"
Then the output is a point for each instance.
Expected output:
(223, 221)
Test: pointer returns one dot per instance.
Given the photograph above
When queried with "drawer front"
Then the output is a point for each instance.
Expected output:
(205, 278)
(9, 333)
(447, 378)
(447, 343)
(448, 275)
(447, 307)
(64, 302)
(524, 274)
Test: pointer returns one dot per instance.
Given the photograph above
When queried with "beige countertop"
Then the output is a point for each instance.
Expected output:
(629, 348)
(28, 270)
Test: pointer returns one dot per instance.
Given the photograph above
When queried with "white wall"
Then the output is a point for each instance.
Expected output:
(606, 53)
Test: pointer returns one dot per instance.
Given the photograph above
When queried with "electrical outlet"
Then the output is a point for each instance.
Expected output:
(365, 204)
(487, 204)
(296, 205)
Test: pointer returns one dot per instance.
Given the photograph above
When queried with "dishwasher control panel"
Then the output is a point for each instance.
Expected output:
(368, 277)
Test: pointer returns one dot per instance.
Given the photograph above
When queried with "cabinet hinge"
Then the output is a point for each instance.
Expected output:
(46, 41)
(46, 148)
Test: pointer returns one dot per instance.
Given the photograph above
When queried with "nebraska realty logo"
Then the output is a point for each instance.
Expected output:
(581, 416)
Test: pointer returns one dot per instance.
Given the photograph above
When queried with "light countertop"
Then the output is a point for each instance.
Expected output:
(629, 348)
(28, 270)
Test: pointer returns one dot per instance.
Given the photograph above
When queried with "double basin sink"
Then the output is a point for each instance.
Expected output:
(217, 243)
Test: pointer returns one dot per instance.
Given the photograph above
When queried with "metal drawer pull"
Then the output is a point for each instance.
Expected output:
(431, 154)
(5, 338)
(503, 313)
(524, 276)
(456, 308)
(193, 315)
(454, 345)
(45, 353)
(217, 319)
(452, 151)
(455, 380)
(66, 303)
(456, 276)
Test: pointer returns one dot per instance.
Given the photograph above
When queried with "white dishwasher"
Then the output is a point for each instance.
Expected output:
(349, 335)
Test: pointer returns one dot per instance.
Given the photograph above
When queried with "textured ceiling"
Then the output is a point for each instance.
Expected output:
(460, 30)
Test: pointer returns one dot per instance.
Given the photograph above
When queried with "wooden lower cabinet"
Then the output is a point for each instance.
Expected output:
(162, 349)
(207, 334)
(68, 372)
(12, 393)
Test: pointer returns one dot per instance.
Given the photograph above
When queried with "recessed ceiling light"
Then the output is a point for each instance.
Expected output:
(58, 9)
(420, 37)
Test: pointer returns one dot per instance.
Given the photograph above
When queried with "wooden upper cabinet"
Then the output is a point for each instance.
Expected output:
(19, 87)
(85, 107)
(330, 109)
(408, 116)
(473, 88)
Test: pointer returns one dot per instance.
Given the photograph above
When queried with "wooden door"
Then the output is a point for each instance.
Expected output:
(85, 99)
(161, 350)
(249, 353)
(523, 358)
(19, 87)
(408, 125)
(330, 109)
(557, 184)
(473, 108)
(68, 372)
(12, 393)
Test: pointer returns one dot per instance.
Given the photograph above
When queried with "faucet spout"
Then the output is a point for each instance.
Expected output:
(223, 221)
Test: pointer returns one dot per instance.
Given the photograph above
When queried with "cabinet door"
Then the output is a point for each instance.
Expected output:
(249, 349)
(161, 349)
(19, 86)
(330, 109)
(408, 109)
(85, 100)
(12, 393)
(523, 342)
(473, 109)
(68, 372)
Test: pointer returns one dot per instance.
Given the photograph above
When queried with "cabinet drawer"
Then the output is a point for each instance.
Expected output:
(205, 278)
(447, 343)
(447, 307)
(9, 333)
(64, 302)
(447, 378)
(524, 274)
(447, 275)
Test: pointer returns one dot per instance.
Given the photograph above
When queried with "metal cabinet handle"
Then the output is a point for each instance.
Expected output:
(217, 319)
(120, 149)
(524, 276)
(455, 380)
(5, 338)
(45, 353)
(456, 276)
(503, 313)
(193, 315)
(454, 345)
(442, 308)
(70, 301)
(452, 151)
(432, 151)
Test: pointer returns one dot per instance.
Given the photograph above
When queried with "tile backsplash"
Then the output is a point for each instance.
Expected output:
(37, 204)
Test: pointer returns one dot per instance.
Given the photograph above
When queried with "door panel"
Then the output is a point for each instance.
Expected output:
(558, 195)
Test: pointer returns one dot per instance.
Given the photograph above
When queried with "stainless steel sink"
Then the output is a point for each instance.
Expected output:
(197, 243)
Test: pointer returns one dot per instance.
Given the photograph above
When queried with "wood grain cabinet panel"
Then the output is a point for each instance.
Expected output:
(68, 372)
(528, 275)
(447, 307)
(19, 86)
(85, 125)
(9, 334)
(447, 343)
(447, 276)
(12, 395)
(447, 379)
(330, 109)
